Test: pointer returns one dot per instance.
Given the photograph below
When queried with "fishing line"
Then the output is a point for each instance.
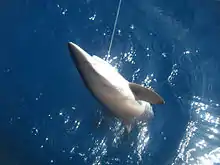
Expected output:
(113, 32)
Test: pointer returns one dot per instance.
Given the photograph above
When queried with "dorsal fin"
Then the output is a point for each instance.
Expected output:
(146, 94)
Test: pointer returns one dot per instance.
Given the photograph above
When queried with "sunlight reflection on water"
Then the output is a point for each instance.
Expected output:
(200, 145)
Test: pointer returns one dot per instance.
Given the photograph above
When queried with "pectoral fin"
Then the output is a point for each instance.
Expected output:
(146, 94)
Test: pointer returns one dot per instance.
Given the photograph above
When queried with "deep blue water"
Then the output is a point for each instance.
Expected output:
(47, 116)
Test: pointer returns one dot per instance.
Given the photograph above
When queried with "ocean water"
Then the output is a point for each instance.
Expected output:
(47, 116)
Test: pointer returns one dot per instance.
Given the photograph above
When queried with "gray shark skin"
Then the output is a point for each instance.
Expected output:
(124, 99)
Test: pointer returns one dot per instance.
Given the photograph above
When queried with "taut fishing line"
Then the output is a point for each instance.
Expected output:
(113, 32)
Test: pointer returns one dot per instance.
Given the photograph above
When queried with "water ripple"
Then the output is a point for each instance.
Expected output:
(200, 144)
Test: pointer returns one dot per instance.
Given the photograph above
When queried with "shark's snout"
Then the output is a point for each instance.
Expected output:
(73, 49)
(78, 55)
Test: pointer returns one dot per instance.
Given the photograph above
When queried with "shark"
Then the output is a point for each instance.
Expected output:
(125, 100)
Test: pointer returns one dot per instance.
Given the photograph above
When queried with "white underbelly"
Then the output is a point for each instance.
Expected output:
(122, 104)
(112, 90)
